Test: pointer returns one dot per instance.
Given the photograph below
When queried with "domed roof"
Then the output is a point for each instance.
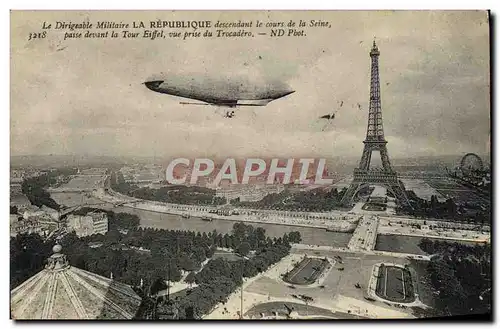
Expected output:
(61, 291)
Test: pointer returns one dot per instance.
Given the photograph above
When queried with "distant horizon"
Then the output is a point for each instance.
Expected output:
(79, 159)
(281, 156)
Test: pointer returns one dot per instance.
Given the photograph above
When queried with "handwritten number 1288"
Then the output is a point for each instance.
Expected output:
(37, 35)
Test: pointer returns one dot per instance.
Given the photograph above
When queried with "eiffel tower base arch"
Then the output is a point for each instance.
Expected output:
(386, 179)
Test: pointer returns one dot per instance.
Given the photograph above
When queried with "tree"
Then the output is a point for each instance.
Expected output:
(187, 263)
(158, 285)
(34, 189)
(451, 207)
(125, 221)
(243, 249)
(334, 194)
(260, 234)
(190, 278)
(461, 273)
(28, 253)
(190, 314)
(199, 254)
(260, 263)
(239, 230)
(211, 251)
(294, 237)
(250, 270)
(13, 210)
(218, 240)
(226, 242)
(113, 236)
(434, 206)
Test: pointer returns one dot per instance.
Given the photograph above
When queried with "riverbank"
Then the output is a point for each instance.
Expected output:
(243, 218)
(339, 224)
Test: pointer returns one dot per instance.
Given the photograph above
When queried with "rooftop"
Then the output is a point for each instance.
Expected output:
(61, 291)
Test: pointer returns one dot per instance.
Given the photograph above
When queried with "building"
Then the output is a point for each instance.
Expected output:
(63, 292)
(92, 223)
(15, 188)
(44, 213)
(33, 225)
(19, 225)
(143, 174)
(226, 210)
(19, 200)
(33, 220)
(248, 193)
(52, 213)
(22, 173)
(92, 171)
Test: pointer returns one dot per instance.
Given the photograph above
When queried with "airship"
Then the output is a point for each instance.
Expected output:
(224, 92)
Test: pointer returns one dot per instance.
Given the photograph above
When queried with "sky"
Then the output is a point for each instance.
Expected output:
(85, 97)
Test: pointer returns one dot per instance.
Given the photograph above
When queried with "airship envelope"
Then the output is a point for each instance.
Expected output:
(231, 91)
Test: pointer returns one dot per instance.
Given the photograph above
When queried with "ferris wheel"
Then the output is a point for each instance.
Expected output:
(471, 163)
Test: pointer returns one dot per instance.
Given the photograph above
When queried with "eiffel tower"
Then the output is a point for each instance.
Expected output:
(375, 141)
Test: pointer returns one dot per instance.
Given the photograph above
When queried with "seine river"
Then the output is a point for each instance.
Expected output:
(312, 236)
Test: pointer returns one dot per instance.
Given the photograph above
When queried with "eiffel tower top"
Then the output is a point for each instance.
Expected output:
(374, 51)
(375, 129)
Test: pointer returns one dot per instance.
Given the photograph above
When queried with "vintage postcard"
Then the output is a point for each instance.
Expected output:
(250, 165)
